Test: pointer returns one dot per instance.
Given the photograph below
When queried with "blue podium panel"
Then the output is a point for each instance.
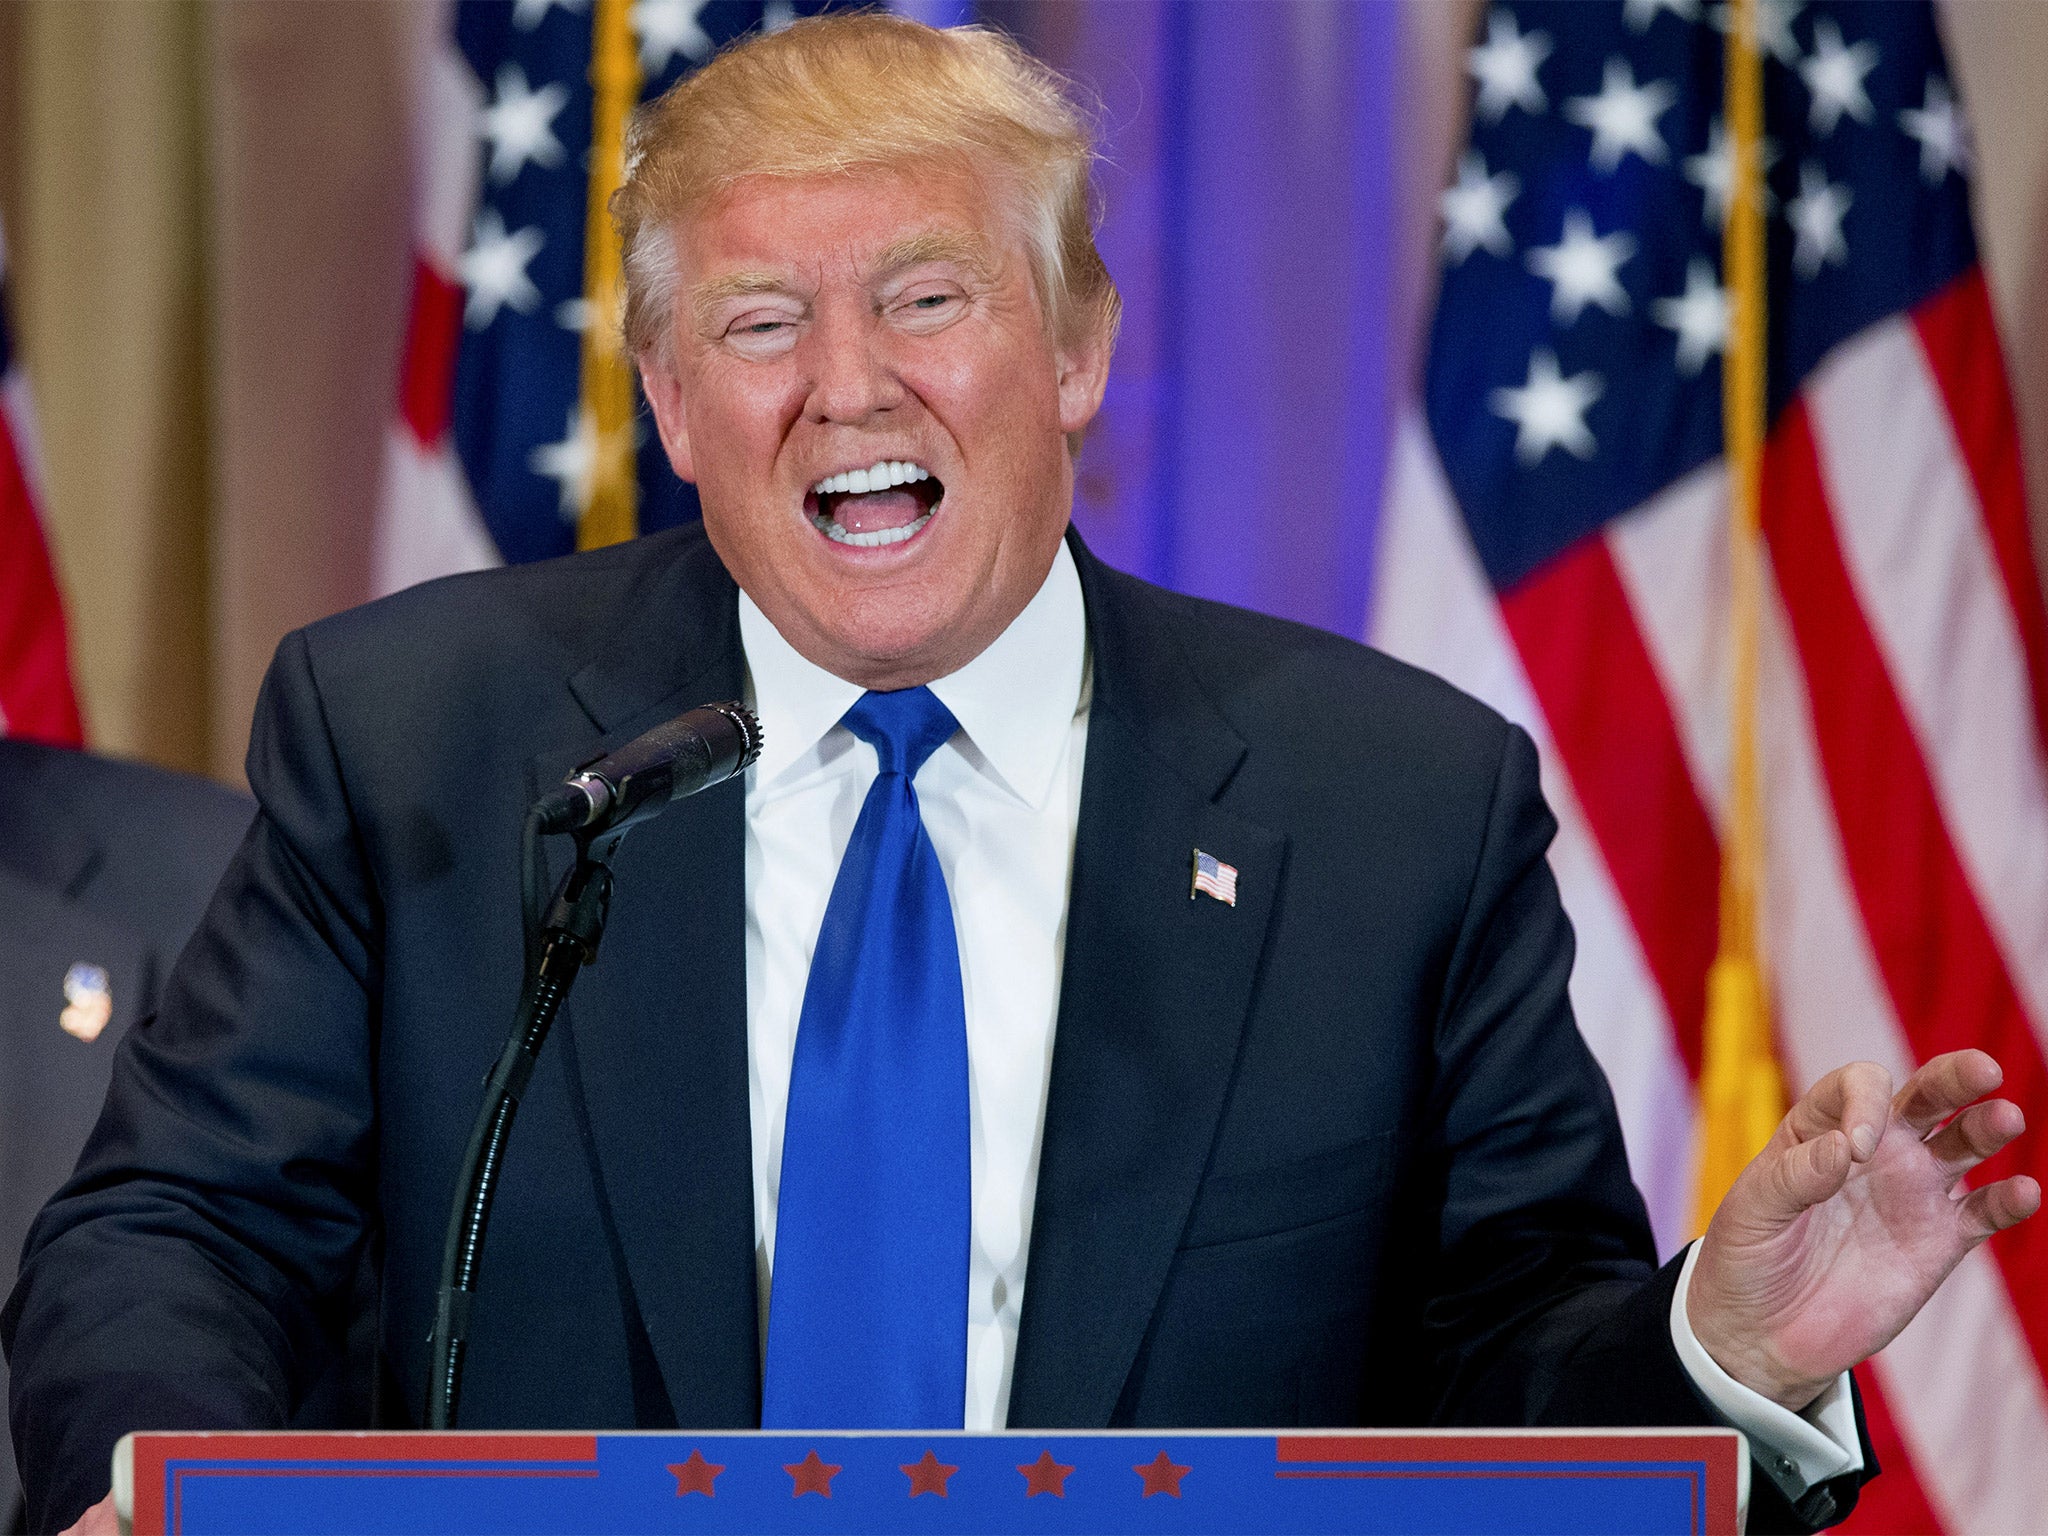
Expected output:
(1637, 1481)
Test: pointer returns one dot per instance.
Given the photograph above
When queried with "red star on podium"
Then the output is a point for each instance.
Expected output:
(1044, 1476)
(928, 1474)
(811, 1475)
(1162, 1474)
(696, 1475)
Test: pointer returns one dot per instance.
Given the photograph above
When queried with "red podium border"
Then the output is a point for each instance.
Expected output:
(1375, 1454)
(526, 1454)
(1349, 1455)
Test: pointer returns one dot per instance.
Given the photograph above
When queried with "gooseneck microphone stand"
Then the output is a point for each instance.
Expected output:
(693, 752)
(568, 939)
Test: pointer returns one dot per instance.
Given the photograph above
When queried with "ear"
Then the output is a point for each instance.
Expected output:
(663, 387)
(1083, 373)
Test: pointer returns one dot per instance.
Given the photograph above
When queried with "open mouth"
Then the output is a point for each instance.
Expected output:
(887, 503)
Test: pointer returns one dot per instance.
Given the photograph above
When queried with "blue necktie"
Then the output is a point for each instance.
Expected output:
(867, 1315)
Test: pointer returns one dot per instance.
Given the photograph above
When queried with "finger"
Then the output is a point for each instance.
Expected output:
(1803, 1176)
(1977, 1133)
(100, 1520)
(1944, 1086)
(1998, 1206)
(1856, 1099)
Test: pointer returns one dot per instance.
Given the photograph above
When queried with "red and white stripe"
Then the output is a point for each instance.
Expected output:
(36, 696)
(427, 520)
(1904, 712)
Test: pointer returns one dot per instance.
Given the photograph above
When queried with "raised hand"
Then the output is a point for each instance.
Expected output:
(1839, 1230)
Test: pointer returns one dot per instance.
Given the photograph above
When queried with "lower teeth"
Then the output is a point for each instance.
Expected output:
(875, 540)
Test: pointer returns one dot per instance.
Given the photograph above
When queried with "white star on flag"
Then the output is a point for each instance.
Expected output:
(519, 124)
(1473, 210)
(581, 459)
(1640, 13)
(1816, 218)
(1773, 27)
(1582, 268)
(1505, 67)
(1623, 116)
(1549, 411)
(528, 14)
(667, 28)
(494, 270)
(1714, 172)
(1944, 133)
(1699, 315)
(1834, 74)
(776, 15)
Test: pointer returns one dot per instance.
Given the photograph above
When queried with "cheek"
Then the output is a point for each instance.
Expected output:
(1000, 411)
(738, 416)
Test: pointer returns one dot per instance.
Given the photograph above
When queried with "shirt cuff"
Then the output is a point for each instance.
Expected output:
(1795, 1450)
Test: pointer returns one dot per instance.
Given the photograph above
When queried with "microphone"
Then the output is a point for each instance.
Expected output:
(694, 751)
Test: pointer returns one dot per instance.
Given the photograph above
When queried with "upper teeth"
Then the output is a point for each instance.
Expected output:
(877, 477)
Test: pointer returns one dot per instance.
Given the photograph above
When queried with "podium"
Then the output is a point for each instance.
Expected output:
(1352, 1481)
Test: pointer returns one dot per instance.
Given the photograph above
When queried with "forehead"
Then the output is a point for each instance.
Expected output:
(849, 224)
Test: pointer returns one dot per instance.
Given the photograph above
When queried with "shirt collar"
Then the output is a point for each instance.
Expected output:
(1014, 701)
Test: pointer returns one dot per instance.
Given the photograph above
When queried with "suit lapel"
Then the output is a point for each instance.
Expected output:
(655, 1036)
(1152, 1004)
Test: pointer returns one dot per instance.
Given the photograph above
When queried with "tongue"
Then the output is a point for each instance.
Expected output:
(876, 511)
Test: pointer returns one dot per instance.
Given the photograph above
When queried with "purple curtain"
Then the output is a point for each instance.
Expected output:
(1252, 224)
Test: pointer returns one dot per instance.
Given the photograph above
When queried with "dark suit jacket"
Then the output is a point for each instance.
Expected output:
(1335, 1155)
(108, 864)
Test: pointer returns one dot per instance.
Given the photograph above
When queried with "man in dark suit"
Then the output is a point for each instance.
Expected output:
(1318, 1144)
(105, 868)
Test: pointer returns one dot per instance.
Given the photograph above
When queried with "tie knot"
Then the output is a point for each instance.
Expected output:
(904, 727)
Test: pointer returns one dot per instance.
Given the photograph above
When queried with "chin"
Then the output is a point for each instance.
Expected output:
(891, 651)
(887, 667)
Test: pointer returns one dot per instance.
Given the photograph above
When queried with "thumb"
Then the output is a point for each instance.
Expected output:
(1803, 1176)
(100, 1520)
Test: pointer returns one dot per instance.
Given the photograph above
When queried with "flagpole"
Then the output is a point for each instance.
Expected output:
(1742, 1092)
(609, 400)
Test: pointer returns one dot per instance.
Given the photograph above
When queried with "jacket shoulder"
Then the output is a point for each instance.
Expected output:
(159, 839)
(1283, 683)
(548, 612)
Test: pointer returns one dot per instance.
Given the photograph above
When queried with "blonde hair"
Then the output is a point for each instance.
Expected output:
(866, 90)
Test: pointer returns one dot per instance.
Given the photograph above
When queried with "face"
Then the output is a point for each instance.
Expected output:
(863, 390)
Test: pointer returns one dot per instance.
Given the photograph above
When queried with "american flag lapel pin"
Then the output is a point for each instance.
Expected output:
(88, 1002)
(1214, 878)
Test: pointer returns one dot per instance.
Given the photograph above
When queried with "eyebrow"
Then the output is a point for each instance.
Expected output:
(937, 245)
(706, 297)
(918, 250)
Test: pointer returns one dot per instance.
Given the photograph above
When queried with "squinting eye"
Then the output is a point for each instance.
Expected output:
(928, 303)
(769, 336)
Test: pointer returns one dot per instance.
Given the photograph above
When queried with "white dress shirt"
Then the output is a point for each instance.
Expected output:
(1001, 802)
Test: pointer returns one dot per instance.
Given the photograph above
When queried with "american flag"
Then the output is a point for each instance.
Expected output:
(493, 454)
(1555, 540)
(1214, 878)
(36, 697)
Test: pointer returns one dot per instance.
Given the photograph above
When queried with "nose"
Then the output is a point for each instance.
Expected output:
(851, 377)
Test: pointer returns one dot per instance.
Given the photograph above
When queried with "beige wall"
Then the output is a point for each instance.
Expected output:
(310, 250)
(2000, 50)
(109, 294)
(206, 206)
